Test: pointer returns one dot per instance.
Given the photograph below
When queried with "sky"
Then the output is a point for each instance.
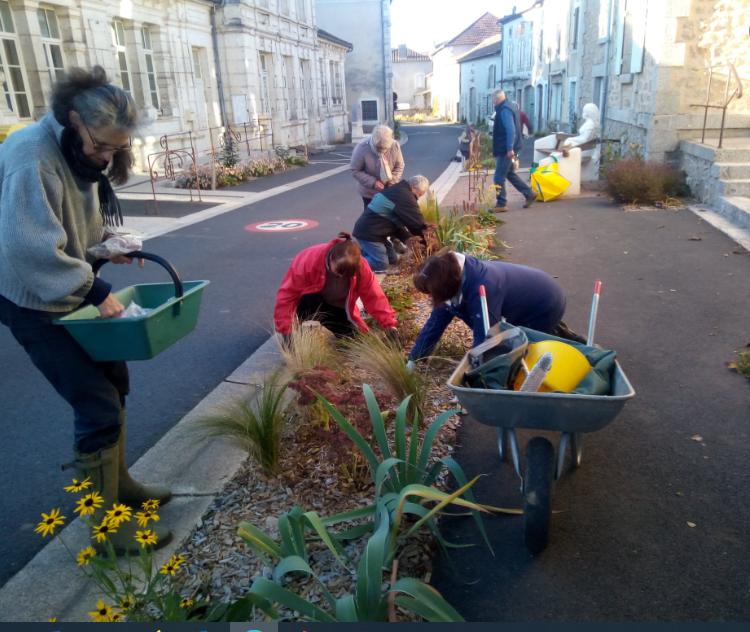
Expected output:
(420, 24)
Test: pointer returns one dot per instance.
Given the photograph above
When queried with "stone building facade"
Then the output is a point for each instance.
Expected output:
(479, 71)
(644, 63)
(190, 65)
(410, 70)
(369, 70)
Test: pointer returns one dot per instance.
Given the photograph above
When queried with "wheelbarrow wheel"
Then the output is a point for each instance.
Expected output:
(537, 493)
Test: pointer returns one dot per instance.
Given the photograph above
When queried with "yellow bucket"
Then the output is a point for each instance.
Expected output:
(569, 366)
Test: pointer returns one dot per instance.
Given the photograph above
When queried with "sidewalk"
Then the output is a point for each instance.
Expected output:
(652, 526)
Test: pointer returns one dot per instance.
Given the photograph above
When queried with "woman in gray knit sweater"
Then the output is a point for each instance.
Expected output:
(56, 200)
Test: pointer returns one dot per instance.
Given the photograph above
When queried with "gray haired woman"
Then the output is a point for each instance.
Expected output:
(56, 201)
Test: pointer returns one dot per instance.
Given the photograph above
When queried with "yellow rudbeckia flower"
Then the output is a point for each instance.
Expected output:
(119, 514)
(78, 486)
(102, 531)
(103, 612)
(84, 555)
(146, 537)
(50, 522)
(87, 505)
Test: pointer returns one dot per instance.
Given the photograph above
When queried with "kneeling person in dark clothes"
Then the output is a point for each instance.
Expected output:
(524, 296)
(394, 212)
(324, 282)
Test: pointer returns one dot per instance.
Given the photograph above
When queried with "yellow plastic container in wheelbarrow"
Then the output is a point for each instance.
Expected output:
(173, 314)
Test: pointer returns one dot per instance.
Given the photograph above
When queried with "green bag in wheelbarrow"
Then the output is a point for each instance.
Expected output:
(173, 313)
(501, 370)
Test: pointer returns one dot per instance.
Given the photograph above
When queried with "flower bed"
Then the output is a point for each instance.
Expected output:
(335, 515)
(228, 175)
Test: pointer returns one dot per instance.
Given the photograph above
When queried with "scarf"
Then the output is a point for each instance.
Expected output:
(72, 150)
(385, 168)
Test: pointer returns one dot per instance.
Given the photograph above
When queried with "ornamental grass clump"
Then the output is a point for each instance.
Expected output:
(256, 425)
(307, 346)
(385, 359)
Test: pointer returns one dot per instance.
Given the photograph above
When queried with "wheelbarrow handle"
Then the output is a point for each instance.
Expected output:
(138, 254)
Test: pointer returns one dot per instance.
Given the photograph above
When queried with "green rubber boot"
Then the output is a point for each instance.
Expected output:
(130, 491)
(102, 468)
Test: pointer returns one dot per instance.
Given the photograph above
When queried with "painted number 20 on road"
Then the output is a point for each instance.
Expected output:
(282, 226)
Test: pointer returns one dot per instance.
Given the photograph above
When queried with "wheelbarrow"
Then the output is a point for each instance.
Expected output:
(173, 313)
(570, 414)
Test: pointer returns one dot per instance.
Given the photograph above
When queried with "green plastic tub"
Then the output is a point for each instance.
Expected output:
(143, 337)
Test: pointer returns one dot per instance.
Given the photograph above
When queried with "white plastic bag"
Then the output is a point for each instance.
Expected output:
(114, 245)
(134, 311)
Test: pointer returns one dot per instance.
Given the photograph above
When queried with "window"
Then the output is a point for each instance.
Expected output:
(509, 57)
(572, 102)
(419, 81)
(290, 95)
(574, 28)
(336, 88)
(304, 74)
(264, 19)
(284, 7)
(323, 82)
(369, 110)
(301, 12)
(603, 18)
(541, 43)
(148, 53)
(558, 39)
(598, 87)
(118, 39)
(491, 76)
(197, 70)
(266, 67)
(51, 44)
(11, 71)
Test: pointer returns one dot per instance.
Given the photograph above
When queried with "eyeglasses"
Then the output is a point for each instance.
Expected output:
(104, 147)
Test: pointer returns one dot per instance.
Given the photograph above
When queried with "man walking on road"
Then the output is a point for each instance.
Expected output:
(506, 143)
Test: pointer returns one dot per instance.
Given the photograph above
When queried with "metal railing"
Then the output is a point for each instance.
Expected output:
(728, 98)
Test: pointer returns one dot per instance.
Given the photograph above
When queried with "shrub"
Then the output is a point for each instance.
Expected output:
(635, 181)
(229, 156)
(257, 425)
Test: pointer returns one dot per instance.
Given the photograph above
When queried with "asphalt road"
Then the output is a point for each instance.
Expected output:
(244, 268)
(655, 525)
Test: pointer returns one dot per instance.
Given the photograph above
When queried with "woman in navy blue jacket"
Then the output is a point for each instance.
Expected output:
(522, 295)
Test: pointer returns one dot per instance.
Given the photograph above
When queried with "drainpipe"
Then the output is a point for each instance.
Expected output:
(387, 98)
(605, 87)
(217, 62)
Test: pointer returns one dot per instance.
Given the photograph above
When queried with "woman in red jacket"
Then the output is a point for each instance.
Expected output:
(324, 283)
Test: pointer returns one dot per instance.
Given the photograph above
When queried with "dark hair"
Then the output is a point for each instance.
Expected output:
(346, 254)
(99, 104)
(440, 277)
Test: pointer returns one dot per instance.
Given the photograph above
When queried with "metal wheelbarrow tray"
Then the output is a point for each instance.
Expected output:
(174, 313)
(570, 414)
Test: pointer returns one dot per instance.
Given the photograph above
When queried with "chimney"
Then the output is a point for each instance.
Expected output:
(402, 51)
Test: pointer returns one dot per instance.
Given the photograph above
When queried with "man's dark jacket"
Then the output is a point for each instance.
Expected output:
(391, 212)
(507, 125)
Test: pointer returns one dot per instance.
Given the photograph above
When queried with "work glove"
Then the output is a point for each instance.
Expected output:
(410, 366)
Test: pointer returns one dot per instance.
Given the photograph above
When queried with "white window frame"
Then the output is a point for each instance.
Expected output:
(284, 7)
(419, 79)
(301, 10)
(575, 27)
(51, 43)
(337, 95)
(121, 53)
(265, 64)
(148, 55)
(195, 52)
(322, 71)
(288, 78)
(14, 79)
(491, 76)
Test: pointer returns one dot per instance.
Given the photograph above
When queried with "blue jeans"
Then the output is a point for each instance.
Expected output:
(503, 171)
(95, 390)
(377, 254)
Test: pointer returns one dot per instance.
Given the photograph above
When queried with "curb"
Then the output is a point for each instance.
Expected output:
(51, 585)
